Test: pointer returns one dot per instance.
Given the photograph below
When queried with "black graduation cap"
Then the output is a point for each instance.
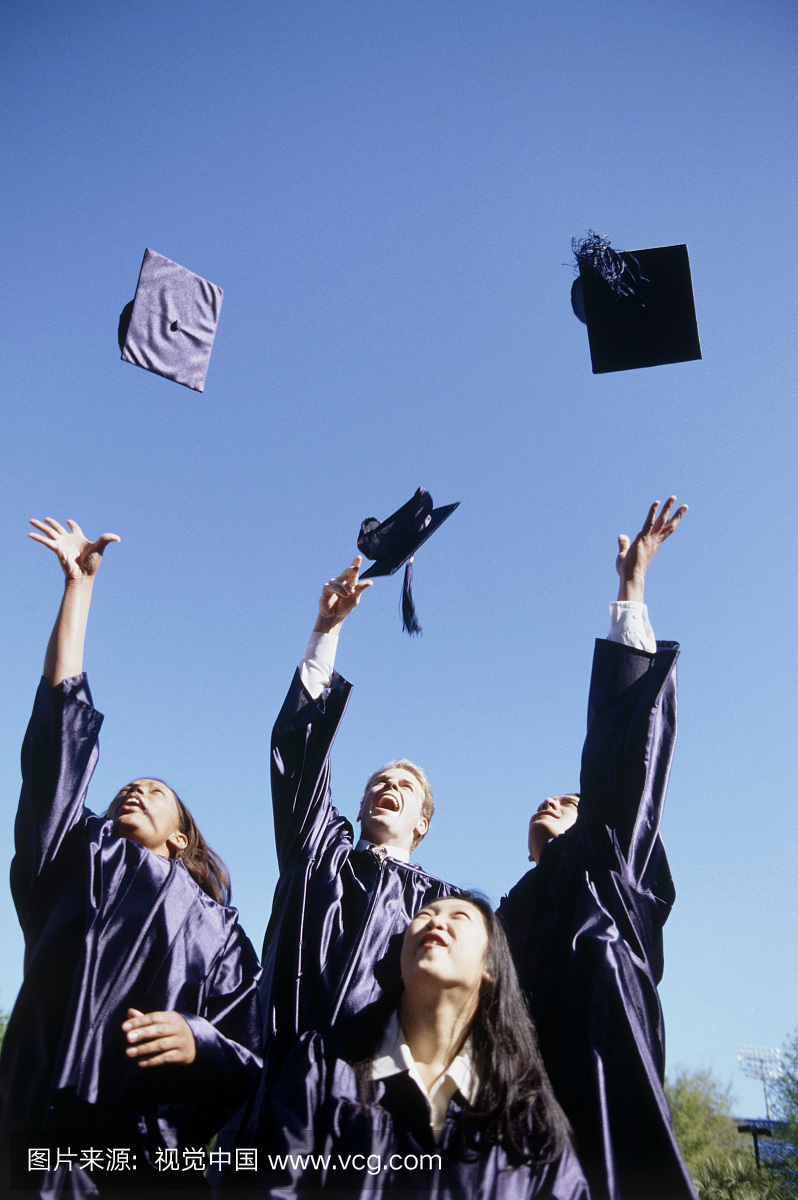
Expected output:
(638, 305)
(394, 541)
(170, 324)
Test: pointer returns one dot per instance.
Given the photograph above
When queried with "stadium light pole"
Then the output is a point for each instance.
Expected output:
(760, 1062)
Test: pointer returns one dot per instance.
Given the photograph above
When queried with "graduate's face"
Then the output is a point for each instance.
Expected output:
(391, 810)
(554, 816)
(146, 811)
(444, 947)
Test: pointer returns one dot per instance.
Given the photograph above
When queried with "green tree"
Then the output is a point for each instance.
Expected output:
(702, 1120)
(784, 1164)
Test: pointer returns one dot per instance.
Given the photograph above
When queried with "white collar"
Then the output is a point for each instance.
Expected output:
(391, 851)
(393, 1056)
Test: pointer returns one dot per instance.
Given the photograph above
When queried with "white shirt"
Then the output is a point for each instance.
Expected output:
(394, 1056)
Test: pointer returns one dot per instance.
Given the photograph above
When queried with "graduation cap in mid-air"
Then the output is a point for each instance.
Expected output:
(638, 305)
(170, 324)
(394, 541)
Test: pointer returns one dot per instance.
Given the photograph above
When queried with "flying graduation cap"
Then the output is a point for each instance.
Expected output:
(394, 541)
(638, 305)
(170, 324)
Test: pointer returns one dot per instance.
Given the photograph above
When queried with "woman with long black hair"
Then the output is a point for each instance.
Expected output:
(453, 1101)
(137, 1028)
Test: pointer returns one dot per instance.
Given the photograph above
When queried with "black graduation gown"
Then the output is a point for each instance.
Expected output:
(109, 925)
(342, 1147)
(585, 927)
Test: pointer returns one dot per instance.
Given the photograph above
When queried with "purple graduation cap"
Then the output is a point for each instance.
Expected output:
(170, 324)
(394, 541)
(638, 305)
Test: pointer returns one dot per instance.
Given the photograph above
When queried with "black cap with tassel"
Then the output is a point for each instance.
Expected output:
(638, 305)
(394, 541)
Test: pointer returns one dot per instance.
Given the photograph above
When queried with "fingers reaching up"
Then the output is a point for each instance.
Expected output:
(79, 558)
(634, 556)
(662, 526)
(340, 596)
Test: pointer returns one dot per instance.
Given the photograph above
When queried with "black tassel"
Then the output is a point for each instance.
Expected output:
(621, 272)
(409, 619)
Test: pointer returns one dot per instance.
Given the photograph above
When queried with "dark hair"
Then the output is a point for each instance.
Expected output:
(514, 1104)
(203, 864)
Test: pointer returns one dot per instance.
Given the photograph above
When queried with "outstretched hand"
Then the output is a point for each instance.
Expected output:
(634, 557)
(339, 597)
(79, 558)
(157, 1038)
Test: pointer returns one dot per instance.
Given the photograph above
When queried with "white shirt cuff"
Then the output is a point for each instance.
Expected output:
(629, 625)
(318, 662)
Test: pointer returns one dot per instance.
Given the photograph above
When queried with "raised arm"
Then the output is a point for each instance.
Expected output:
(308, 721)
(617, 665)
(632, 715)
(339, 597)
(59, 752)
(80, 560)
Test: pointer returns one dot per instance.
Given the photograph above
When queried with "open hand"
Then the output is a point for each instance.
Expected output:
(340, 596)
(159, 1037)
(79, 558)
(634, 557)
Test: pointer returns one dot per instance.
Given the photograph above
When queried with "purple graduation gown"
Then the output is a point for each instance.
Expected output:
(331, 952)
(385, 1148)
(109, 925)
(585, 927)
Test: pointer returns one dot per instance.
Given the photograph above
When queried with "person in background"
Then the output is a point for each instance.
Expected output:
(585, 924)
(138, 1023)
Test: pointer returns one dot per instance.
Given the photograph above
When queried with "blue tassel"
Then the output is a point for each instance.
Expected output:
(409, 619)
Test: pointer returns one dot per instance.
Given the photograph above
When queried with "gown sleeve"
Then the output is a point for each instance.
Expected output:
(228, 1031)
(293, 1108)
(300, 765)
(59, 755)
(627, 755)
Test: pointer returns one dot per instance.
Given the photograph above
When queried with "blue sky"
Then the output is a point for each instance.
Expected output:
(386, 190)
